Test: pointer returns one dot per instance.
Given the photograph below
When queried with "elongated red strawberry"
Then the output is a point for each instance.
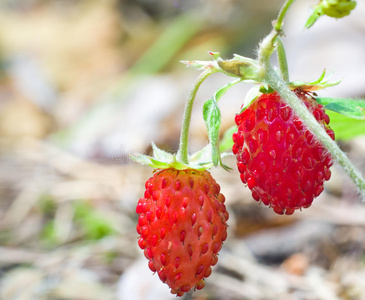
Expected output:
(182, 223)
(278, 157)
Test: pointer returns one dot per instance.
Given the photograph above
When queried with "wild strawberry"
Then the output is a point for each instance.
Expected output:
(182, 225)
(278, 157)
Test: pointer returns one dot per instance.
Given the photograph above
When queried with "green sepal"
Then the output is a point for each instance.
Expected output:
(199, 64)
(246, 69)
(150, 161)
(252, 94)
(319, 84)
(201, 160)
(351, 108)
(265, 89)
(204, 65)
(161, 154)
(316, 14)
(204, 154)
(156, 164)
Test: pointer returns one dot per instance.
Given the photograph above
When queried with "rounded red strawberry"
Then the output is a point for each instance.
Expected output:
(278, 157)
(182, 225)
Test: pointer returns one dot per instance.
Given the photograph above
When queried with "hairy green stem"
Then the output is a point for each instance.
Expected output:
(270, 42)
(266, 49)
(183, 148)
(283, 63)
(278, 26)
(273, 79)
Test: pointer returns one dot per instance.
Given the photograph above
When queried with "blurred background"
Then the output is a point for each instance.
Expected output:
(83, 84)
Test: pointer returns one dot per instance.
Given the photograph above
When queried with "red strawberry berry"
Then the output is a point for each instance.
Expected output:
(182, 223)
(278, 157)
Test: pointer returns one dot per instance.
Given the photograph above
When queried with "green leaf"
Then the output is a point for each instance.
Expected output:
(346, 128)
(212, 118)
(351, 108)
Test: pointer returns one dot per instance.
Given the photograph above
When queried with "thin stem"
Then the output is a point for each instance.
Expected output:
(280, 20)
(183, 148)
(273, 79)
(283, 63)
(267, 46)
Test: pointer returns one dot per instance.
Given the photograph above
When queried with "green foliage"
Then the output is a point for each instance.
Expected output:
(47, 205)
(93, 224)
(351, 108)
(346, 128)
(49, 234)
(212, 118)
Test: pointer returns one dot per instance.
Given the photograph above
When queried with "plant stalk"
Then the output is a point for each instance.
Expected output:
(278, 26)
(283, 63)
(184, 136)
(271, 41)
(275, 82)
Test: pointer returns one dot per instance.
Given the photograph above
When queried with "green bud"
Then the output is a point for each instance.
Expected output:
(239, 68)
(331, 8)
(337, 8)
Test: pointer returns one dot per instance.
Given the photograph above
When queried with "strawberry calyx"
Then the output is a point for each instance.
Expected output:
(321, 83)
(201, 160)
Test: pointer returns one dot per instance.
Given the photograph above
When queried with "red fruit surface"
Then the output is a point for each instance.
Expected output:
(182, 225)
(278, 157)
